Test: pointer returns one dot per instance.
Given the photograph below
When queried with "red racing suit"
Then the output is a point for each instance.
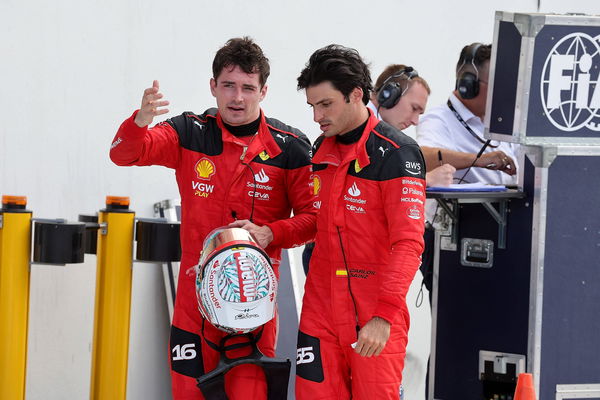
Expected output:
(222, 178)
(369, 241)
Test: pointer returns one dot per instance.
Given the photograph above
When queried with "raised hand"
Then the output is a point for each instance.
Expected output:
(151, 106)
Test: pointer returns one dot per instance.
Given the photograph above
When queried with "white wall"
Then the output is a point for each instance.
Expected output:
(71, 71)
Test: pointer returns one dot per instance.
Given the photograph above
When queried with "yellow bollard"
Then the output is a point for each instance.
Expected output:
(113, 300)
(15, 251)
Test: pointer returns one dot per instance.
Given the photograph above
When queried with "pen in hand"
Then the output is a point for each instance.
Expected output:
(440, 157)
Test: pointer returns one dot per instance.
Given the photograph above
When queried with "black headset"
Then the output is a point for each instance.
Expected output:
(389, 93)
(467, 83)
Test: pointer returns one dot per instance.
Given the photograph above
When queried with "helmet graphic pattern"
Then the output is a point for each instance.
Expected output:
(236, 285)
(243, 278)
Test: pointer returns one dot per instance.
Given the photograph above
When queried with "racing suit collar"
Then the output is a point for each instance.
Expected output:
(329, 154)
(262, 141)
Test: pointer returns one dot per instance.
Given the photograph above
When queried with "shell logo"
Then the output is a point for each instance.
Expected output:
(205, 169)
(357, 167)
(316, 184)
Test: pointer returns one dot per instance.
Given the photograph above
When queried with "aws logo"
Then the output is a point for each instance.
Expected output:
(205, 169)
(412, 167)
(570, 84)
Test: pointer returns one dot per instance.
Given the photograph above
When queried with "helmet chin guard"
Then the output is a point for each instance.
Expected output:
(235, 282)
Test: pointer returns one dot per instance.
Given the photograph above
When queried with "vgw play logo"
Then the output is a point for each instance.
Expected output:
(570, 85)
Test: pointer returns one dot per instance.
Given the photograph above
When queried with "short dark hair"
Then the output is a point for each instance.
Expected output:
(482, 54)
(342, 66)
(394, 69)
(244, 53)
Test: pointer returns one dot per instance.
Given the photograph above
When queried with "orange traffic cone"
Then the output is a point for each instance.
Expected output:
(525, 389)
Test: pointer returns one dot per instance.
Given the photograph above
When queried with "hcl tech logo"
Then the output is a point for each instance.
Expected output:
(569, 87)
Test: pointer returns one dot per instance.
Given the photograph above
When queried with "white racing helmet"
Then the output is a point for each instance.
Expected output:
(235, 283)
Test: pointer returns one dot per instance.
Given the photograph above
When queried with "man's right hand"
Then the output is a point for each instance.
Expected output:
(497, 160)
(440, 176)
(151, 104)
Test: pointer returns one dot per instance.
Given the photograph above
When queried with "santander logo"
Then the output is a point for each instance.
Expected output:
(354, 191)
(261, 177)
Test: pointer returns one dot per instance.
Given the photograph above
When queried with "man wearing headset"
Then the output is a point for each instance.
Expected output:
(399, 98)
(235, 167)
(456, 130)
(369, 181)
(457, 126)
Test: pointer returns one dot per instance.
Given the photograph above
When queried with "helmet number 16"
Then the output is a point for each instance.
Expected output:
(184, 352)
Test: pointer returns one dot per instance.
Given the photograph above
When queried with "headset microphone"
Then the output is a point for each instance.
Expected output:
(485, 145)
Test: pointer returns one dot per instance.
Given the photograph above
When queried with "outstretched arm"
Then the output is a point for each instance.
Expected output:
(495, 160)
(136, 144)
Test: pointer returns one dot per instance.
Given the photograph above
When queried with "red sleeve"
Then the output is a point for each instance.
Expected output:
(300, 228)
(404, 200)
(133, 145)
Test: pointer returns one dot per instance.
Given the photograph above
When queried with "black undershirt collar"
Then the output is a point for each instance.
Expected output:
(352, 136)
(243, 130)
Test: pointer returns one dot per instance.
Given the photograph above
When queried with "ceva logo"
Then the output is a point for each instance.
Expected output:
(570, 84)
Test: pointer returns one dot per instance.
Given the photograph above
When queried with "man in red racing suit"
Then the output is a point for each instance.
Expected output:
(233, 167)
(370, 187)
